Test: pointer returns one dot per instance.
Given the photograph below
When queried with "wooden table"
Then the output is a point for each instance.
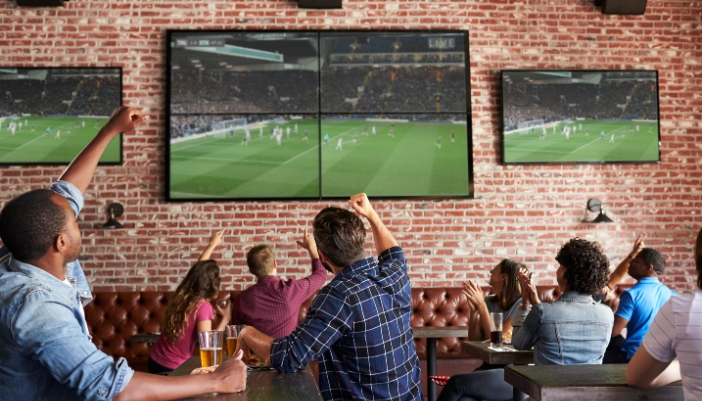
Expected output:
(149, 338)
(431, 334)
(481, 350)
(583, 382)
(268, 385)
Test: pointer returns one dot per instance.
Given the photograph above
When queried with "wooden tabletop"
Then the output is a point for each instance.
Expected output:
(583, 382)
(481, 350)
(439, 332)
(268, 385)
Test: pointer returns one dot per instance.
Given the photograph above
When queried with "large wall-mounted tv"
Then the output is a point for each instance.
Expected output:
(317, 114)
(48, 115)
(576, 116)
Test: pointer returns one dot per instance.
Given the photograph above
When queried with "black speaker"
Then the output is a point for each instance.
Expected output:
(319, 3)
(624, 7)
(40, 3)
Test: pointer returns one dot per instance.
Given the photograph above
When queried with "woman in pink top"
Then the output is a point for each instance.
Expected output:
(189, 312)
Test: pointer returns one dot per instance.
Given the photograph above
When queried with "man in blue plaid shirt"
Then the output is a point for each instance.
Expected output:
(359, 324)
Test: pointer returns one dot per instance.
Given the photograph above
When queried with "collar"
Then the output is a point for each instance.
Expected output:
(44, 277)
(649, 280)
(574, 296)
(357, 267)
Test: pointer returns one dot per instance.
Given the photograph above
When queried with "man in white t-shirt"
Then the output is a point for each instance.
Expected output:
(675, 332)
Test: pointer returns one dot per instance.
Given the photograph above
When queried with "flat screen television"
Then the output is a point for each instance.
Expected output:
(580, 116)
(48, 115)
(317, 115)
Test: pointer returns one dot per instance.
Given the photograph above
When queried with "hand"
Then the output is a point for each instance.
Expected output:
(216, 238)
(362, 206)
(231, 375)
(242, 346)
(528, 291)
(474, 294)
(309, 244)
(125, 119)
(638, 246)
(226, 311)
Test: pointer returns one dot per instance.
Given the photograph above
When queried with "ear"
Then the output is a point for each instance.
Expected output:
(61, 243)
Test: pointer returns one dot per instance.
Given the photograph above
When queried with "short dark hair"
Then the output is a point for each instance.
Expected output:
(586, 266)
(30, 223)
(654, 258)
(261, 260)
(340, 235)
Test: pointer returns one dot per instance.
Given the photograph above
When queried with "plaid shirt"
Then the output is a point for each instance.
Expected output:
(359, 328)
(272, 305)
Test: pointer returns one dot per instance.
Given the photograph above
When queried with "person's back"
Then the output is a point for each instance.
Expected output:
(574, 330)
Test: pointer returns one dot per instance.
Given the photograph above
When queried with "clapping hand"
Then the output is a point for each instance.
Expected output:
(528, 291)
(474, 294)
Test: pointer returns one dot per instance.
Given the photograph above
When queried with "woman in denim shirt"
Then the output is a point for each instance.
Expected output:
(571, 330)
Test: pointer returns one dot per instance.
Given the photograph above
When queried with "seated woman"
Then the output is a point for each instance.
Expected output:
(571, 330)
(189, 312)
(675, 332)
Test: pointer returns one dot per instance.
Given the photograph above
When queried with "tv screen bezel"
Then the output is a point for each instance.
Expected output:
(469, 145)
(502, 119)
(121, 103)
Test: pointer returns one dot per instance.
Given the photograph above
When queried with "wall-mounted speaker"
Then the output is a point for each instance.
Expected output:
(40, 3)
(624, 7)
(319, 3)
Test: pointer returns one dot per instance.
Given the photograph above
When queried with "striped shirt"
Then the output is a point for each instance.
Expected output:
(677, 332)
(359, 329)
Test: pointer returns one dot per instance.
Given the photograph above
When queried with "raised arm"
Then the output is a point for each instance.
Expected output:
(80, 171)
(620, 272)
(383, 239)
(215, 240)
(309, 244)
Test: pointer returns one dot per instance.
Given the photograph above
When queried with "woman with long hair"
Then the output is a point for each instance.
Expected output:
(189, 312)
(505, 297)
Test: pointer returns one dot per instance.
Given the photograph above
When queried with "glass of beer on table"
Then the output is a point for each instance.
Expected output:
(210, 347)
(231, 334)
(496, 329)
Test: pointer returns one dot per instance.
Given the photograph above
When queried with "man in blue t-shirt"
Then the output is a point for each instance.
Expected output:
(638, 305)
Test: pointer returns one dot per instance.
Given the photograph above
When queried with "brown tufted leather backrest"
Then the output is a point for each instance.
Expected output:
(113, 317)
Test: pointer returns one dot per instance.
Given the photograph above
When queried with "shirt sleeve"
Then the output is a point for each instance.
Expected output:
(204, 312)
(626, 306)
(52, 335)
(71, 193)
(304, 288)
(526, 334)
(328, 319)
(660, 339)
(393, 255)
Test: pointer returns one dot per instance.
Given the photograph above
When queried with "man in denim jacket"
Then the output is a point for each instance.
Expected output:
(46, 352)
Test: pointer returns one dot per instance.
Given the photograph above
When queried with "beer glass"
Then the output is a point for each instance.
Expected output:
(496, 329)
(231, 333)
(210, 347)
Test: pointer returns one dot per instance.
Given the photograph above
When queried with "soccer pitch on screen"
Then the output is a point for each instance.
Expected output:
(623, 141)
(386, 158)
(51, 140)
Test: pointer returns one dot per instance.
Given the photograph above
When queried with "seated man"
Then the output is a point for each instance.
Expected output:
(46, 352)
(359, 324)
(272, 305)
(675, 333)
(639, 304)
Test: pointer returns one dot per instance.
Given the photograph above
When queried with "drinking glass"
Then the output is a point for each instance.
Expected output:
(231, 333)
(496, 329)
(210, 347)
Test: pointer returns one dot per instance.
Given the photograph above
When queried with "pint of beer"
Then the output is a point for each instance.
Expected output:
(231, 333)
(210, 347)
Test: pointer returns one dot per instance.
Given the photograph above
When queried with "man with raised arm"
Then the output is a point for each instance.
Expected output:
(46, 352)
(358, 327)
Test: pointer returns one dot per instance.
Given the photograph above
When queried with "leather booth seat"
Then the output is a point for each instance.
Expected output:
(113, 317)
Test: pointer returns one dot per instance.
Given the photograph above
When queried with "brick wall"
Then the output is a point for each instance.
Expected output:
(523, 212)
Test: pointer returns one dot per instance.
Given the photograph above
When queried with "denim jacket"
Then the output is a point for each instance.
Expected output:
(572, 330)
(45, 348)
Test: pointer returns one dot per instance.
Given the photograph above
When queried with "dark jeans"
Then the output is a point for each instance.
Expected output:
(614, 353)
(157, 368)
(476, 386)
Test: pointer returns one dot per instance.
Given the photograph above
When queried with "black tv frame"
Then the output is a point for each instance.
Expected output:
(470, 184)
(502, 118)
(121, 103)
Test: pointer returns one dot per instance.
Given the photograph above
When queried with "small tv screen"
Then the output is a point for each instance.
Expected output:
(313, 115)
(48, 115)
(561, 116)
